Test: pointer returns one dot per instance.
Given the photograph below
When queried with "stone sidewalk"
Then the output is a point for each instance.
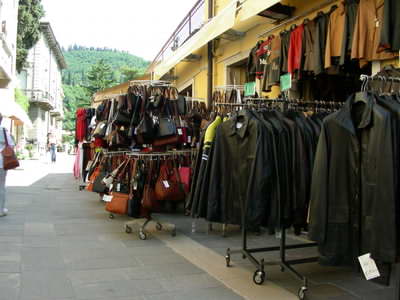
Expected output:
(58, 244)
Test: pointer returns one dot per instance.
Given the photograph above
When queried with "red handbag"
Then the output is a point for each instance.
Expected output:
(168, 185)
(185, 174)
(10, 160)
(118, 204)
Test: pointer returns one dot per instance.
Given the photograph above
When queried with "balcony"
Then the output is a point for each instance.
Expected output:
(190, 25)
(41, 98)
(6, 62)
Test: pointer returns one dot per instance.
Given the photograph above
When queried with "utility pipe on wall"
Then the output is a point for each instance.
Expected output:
(210, 59)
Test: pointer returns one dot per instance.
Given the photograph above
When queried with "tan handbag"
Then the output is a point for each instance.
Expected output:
(118, 204)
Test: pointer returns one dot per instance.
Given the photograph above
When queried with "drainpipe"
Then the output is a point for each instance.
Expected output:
(210, 59)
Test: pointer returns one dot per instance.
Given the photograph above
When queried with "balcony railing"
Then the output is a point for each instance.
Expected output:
(40, 97)
(192, 23)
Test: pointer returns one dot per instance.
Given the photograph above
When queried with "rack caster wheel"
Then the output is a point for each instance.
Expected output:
(259, 277)
(158, 226)
(173, 233)
(128, 229)
(302, 293)
(142, 235)
(244, 256)
(111, 216)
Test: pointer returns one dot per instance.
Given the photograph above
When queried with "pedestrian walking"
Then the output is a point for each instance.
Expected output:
(3, 173)
(52, 145)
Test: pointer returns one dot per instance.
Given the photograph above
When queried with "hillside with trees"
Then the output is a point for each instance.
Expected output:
(94, 69)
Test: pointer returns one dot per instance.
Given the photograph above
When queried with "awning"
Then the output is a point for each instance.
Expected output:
(14, 111)
(251, 8)
(212, 29)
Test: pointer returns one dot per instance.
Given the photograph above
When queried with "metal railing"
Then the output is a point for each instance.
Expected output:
(191, 24)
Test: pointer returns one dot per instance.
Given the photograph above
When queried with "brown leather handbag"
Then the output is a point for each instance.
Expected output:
(149, 201)
(10, 160)
(118, 204)
(168, 186)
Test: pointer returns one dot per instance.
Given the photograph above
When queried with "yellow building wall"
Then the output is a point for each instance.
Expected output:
(229, 52)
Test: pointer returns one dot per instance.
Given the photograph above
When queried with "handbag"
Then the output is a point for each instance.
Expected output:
(181, 103)
(10, 160)
(185, 174)
(149, 201)
(118, 203)
(100, 130)
(166, 127)
(168, 185)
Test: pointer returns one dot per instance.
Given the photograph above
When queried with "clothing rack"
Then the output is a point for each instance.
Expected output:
(191, 99)
(291, 20)
(378, 77)
(159, 225)
(230, 87)
(158, 83)
(105, 97)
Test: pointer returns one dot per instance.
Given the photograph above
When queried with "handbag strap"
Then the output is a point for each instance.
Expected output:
(5, 136)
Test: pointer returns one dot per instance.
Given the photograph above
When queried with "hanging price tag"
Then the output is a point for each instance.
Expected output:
(118, 187)
(166, 184)
(180, 131)
(107, 198)
(239, 125)
(135, 185)
(368, 266)
(189, 139)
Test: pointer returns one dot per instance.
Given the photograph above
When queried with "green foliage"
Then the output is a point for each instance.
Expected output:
(100, 77)
(75, 97)
(92, 69)
(80, 60)
(22, 99)
(29, 14)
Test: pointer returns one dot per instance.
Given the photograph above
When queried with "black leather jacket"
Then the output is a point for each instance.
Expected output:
(353, 197)
(241, 172)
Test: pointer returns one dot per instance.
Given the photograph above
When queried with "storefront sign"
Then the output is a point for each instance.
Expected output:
(249, 89)
(286, 82)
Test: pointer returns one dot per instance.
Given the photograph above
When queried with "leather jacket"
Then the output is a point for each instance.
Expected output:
(353, 196)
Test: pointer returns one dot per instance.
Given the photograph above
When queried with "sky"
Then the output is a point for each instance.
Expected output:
(138, 26)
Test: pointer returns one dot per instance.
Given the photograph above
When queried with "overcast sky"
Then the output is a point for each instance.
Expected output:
(138, 26)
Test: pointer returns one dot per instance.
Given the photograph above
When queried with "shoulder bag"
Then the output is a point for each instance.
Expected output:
(10, 160)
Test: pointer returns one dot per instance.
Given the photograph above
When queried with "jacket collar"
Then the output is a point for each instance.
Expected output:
(344, 115)
(243, 118)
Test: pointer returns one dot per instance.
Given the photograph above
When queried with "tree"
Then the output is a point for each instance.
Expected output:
(99, 77)
(129, 73)
(29, 14)
(75, 97)
(22, 99)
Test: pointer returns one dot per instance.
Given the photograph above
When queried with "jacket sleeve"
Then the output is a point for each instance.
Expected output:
(319, 201)
(214, 212)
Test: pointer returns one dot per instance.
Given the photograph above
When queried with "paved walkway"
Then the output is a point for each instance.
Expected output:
(58, 244)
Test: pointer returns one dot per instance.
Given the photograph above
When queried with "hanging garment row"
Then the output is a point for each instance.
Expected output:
(84, 124)
(355, 183)
(149, 116)
(257, 162)
(349, 31)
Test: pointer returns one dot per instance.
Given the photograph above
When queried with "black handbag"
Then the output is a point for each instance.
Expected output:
(181, 103)
(98, 185)
(166, 127)
(146, 131)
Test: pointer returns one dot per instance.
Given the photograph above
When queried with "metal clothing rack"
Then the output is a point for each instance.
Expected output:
(159, 225)
(229, 87)
(158, 83)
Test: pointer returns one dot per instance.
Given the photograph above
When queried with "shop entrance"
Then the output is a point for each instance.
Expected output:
(236, 73)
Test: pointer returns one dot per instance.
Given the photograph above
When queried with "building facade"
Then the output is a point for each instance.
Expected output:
(41, 81)
(211, 46)
(8, 50)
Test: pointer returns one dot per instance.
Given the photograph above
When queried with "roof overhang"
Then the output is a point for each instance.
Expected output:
(48, 33)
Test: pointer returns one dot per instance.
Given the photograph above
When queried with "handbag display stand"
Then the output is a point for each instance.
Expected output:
(159, 225)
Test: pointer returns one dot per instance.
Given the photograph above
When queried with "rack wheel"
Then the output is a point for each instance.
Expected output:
(244, 256)
(128, 229)
(228, 260)
(259, 277)
(158, 226)
(111, 216)
(302, 293)
(173, 233)
(142, 235)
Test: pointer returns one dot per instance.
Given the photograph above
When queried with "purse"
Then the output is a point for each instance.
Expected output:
(118, 204)
(100, 130)
(10, 160)
(185, 174)
(166, 127)
(149, 201)
(168, 186)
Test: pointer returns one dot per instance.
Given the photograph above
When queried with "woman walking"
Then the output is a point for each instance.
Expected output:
(52, 145)
(3, 173)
